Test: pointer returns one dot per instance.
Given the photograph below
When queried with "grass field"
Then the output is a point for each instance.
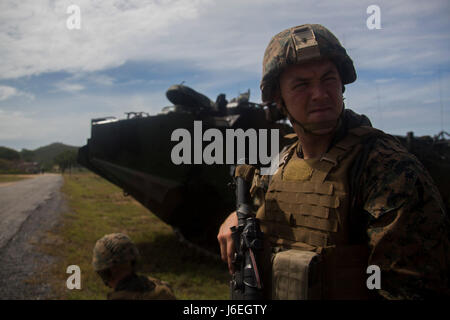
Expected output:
(12, 177)
(96, 208)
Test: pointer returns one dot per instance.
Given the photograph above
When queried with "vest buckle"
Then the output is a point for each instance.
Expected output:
(325, 158)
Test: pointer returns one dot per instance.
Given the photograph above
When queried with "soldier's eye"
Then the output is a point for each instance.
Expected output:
(330, 79)
(300, 85)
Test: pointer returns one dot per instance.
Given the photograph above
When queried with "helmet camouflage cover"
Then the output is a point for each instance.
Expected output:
(299, 44)
(113, 249)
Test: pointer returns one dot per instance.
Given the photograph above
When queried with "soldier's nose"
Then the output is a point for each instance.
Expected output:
(318, 92)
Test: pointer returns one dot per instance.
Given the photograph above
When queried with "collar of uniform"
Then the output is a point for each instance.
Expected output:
(122, 284)
(347, 121)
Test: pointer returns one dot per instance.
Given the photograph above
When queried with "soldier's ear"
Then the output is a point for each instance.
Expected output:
(281, 106)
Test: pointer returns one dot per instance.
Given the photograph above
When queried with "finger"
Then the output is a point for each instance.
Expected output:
(230, 255)
(223, 247)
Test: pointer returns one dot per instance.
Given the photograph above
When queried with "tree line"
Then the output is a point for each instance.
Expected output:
(12, 161)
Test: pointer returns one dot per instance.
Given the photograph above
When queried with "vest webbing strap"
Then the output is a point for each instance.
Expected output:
(295, 219)
(305, 187)
(303, 209)
(305, 198)
(299, 234)
(333, 156)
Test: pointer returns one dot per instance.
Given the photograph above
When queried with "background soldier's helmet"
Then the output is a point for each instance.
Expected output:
(113, 249)
(299, 44)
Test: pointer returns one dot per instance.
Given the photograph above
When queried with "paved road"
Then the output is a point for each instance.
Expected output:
(28, 208)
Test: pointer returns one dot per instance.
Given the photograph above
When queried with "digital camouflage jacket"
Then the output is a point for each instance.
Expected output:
(398, 213)
(138, 287)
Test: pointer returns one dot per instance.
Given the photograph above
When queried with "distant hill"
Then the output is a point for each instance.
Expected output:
(9, 154)
(9, 159)
(46, 155)
(12, 161)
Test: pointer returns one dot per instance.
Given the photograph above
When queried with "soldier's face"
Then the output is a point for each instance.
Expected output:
(312, 93)
(105, 275)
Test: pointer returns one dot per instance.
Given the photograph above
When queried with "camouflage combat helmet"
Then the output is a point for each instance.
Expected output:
(113, 249)
(299, 44)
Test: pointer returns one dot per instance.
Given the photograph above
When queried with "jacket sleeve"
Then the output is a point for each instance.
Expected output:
(408, 228)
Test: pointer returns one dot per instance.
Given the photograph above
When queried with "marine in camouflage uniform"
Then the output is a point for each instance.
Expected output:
(364, 201)
(138, 287)
(114, 259)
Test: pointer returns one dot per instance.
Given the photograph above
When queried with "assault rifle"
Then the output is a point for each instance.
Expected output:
(247, 237)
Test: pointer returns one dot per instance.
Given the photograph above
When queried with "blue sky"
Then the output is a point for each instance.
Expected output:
(127, 53)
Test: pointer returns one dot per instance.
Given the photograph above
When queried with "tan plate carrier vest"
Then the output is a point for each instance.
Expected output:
(305, 220)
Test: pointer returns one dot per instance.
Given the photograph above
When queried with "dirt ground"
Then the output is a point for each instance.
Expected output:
(28, 209)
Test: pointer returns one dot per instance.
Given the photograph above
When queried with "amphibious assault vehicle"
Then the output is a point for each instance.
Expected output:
(136, 154)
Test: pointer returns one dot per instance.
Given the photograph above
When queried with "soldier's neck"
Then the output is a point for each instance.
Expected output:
(314, 146)
(119, 273)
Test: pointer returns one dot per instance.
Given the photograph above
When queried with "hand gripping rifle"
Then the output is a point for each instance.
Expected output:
(248, 240)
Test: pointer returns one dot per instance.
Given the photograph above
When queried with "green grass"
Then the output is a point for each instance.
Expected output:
(11, 177)
(96, 208)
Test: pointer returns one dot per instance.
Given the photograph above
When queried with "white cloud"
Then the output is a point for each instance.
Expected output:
(101, 80)
(14, 125)
(401, 105)
(79, 81)
(225, 40)
(68, 87)
(38, 130)
(35, 38)
(7, 92)
(386, 80)
(68, 120)
(213, 35)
